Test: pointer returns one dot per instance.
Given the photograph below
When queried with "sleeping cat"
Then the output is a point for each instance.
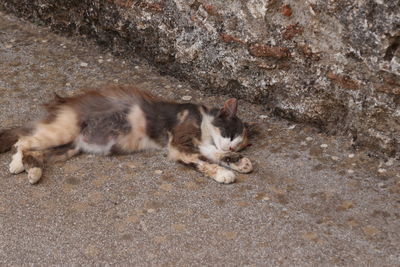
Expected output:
(123, 119)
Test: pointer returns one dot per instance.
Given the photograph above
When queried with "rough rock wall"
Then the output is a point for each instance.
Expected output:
(332, 63)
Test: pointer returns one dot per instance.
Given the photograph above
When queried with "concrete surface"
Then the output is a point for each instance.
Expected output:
(331, 63)
(311, 201)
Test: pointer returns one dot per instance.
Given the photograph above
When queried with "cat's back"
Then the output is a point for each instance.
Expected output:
(126, 93)
(106, 99)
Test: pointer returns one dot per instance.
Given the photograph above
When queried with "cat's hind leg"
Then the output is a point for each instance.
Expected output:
(63, 128)
(34, 161)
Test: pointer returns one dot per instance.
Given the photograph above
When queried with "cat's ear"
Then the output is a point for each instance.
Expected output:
(230, 108)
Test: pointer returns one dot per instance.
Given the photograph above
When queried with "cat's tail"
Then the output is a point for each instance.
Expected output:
(8, 137)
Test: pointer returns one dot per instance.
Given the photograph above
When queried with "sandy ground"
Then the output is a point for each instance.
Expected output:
(311, 201)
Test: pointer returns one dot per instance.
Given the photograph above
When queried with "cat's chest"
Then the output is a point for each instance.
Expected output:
(208, 131)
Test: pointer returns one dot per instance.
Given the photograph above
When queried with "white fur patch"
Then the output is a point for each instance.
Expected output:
(210, 152)
(236, 143)
(224, 176)
(207, 129)
(16, 165)
(212, 135)
(94, 148)
(222, 143)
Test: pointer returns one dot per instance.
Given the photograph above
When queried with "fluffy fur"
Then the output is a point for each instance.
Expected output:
(123, 119)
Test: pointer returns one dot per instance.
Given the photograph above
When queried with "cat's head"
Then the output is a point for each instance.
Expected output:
(229, 132)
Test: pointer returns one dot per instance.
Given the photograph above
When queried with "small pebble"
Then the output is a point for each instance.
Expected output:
(266, 198)
(67, 84)
(312, 11)
(350, 171)
(335, 158)
(8, 46)
(381, 170)
(302, 143)
(84, 64)
(186, 97)
(324, 146)
(12, 40)
(44, 41)
(389, 162)
(131, 165)
(136, 67)
(158, 171)
(100, 61)
(109, 60)
(263, 117)
(179, 86)
(115, 80)
(309, 139)
(151, 210)
(381, 185)
(291, 127)
(351, 156)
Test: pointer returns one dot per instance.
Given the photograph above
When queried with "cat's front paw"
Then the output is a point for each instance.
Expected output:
(243, 166)
(16, 165)
(224, 176)
(237, 162)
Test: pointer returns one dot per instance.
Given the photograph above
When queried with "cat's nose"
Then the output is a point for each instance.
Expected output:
(231, 149)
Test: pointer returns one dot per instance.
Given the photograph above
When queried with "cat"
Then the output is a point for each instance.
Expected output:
(123, 119)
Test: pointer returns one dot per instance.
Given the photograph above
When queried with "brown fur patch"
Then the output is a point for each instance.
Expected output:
(185, 136)
(31, 161)
(100, 100)
(231, 157)
(61, 153)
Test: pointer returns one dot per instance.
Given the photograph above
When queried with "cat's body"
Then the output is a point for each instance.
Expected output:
(124, 119)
